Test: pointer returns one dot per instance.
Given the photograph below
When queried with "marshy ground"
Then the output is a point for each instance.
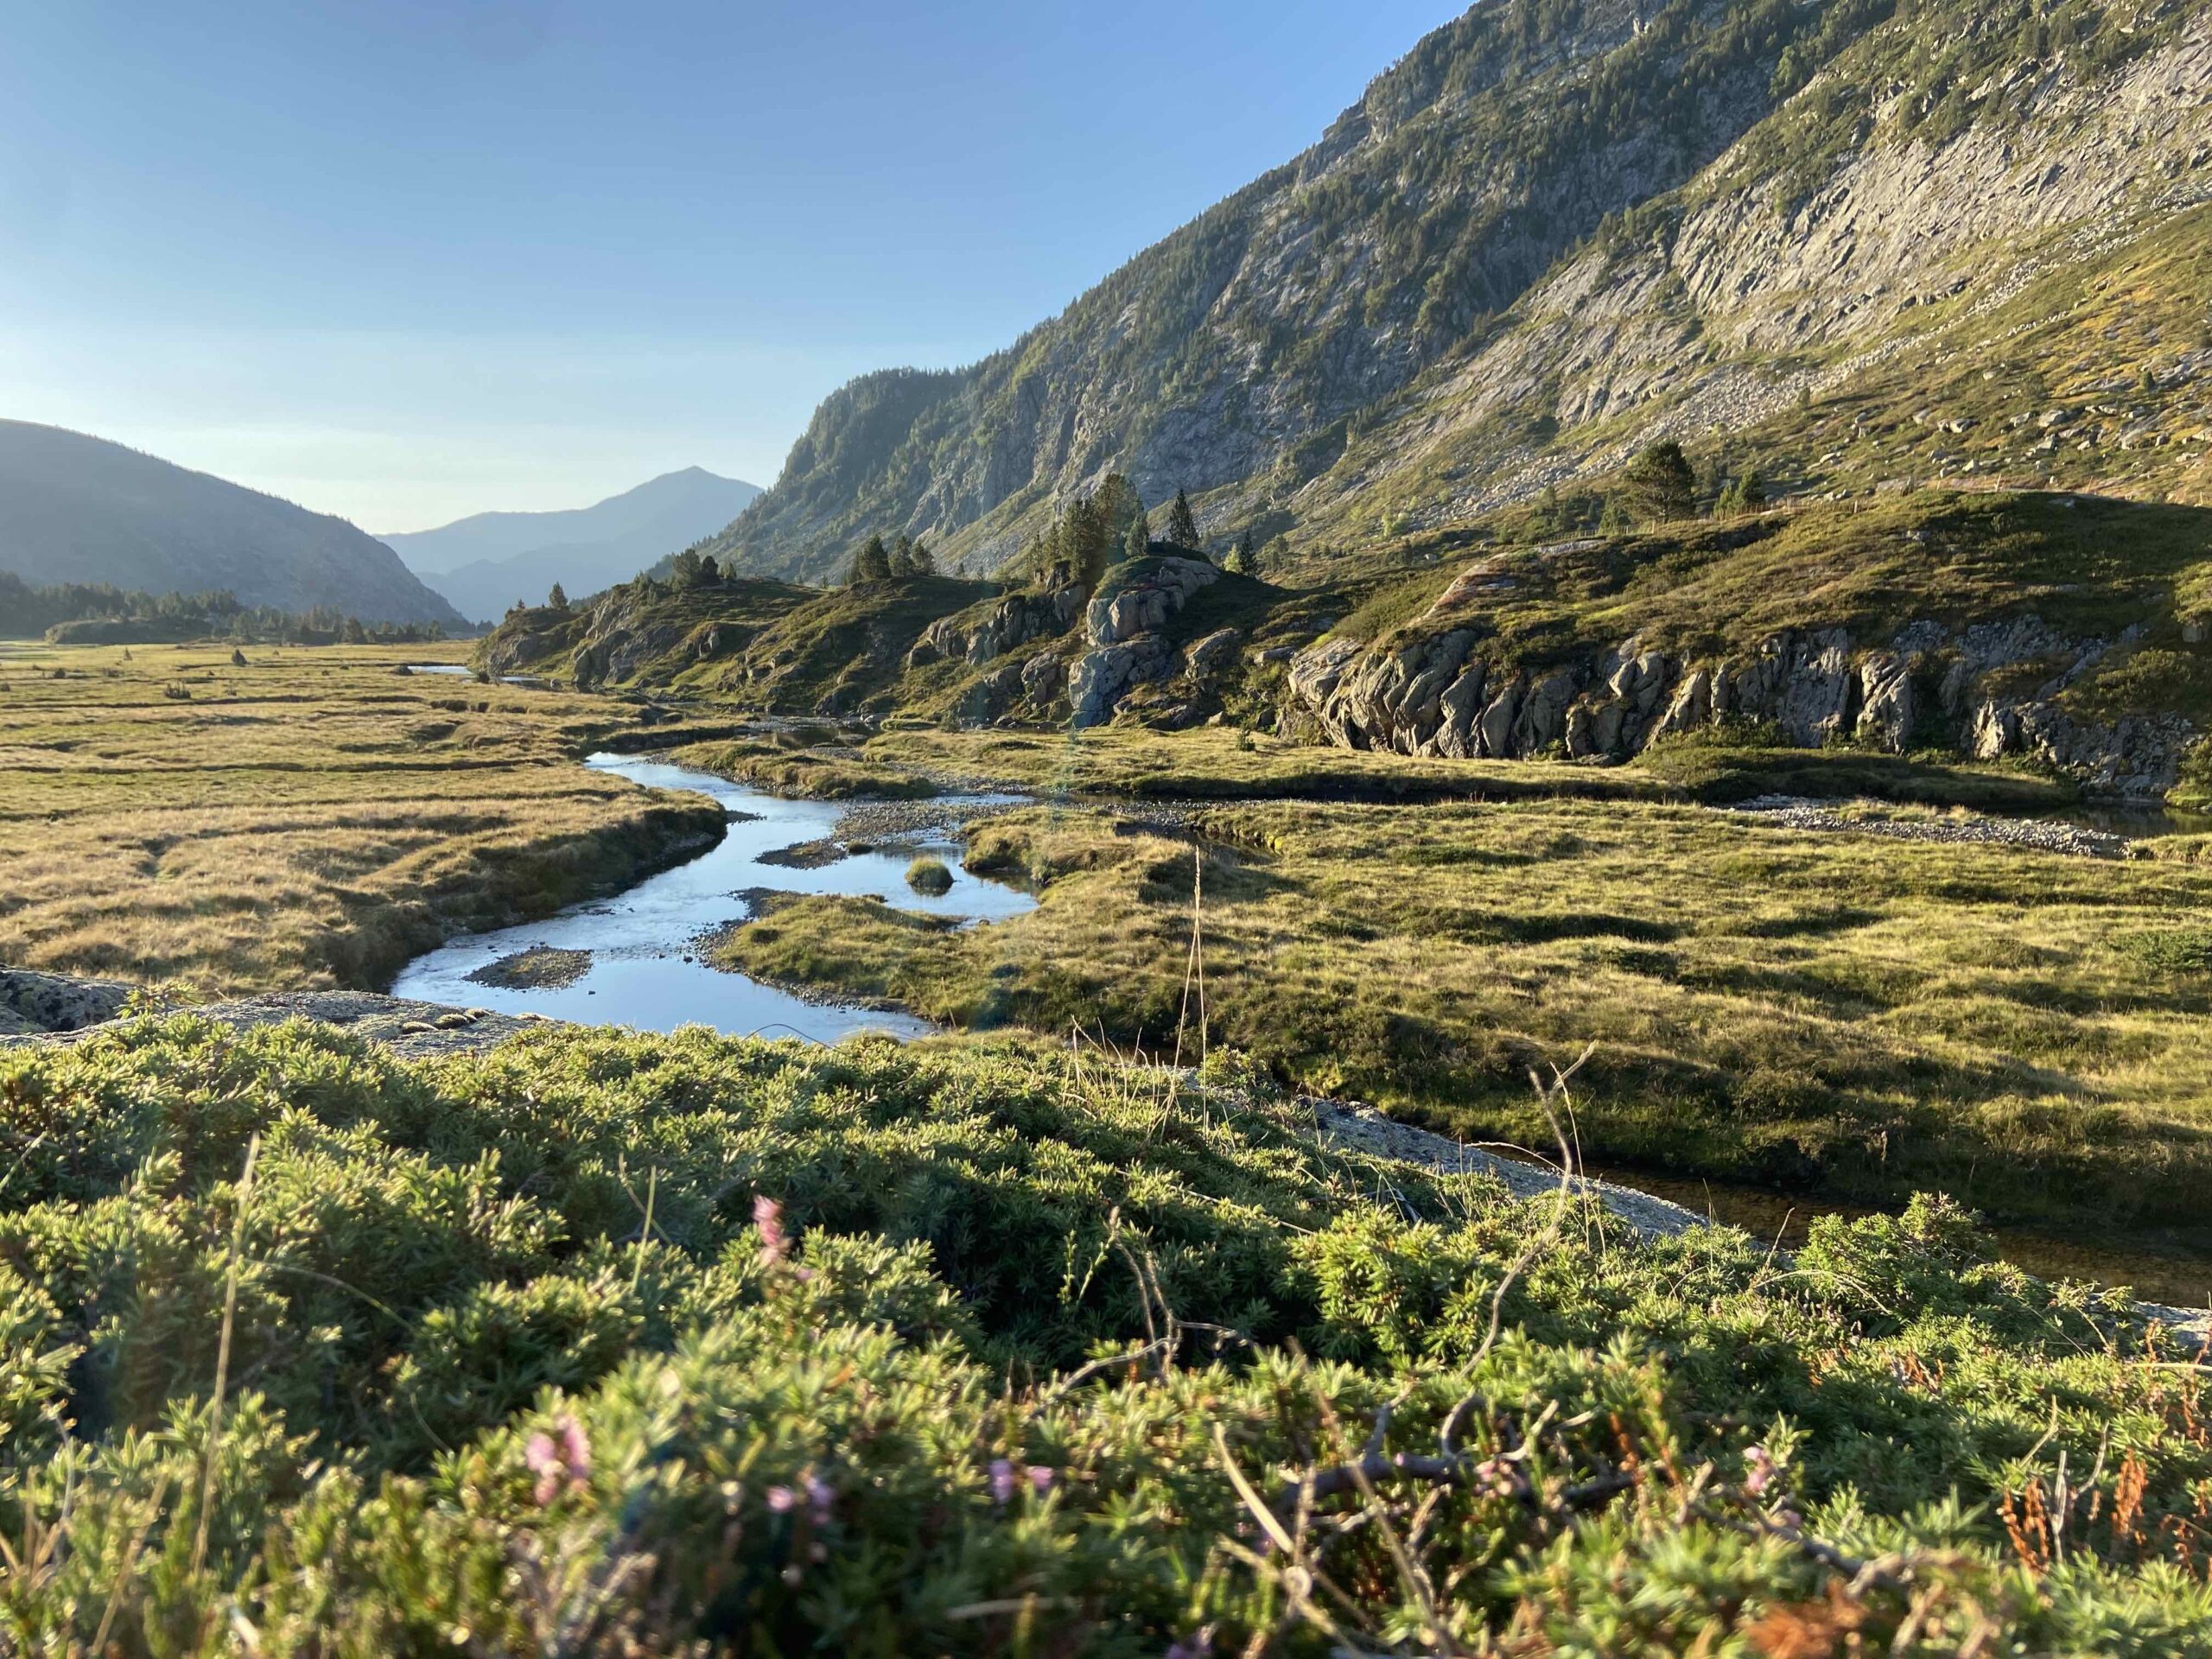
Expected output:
(312, 818)
(1828, 1014)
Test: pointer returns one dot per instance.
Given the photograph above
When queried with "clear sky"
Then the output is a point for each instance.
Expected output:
(408, 259)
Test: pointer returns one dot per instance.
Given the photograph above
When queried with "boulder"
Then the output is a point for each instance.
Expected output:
(1145, 605)
(1101, 678)
(39, 1002)
(1204, 658)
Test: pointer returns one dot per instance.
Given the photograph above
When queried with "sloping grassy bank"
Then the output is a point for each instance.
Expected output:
(1224, 764)
(307, 817)
(1828, 1013)
(602, 1343)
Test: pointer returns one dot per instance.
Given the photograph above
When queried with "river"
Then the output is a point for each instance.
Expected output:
(644, 968)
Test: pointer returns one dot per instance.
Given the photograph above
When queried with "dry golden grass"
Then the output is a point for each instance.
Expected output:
(1861, 1016)
(311, 819)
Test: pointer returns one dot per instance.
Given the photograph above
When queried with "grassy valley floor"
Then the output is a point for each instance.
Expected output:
(310, 817)
(1828, 1013)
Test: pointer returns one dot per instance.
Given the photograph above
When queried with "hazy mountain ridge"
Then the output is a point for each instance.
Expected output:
(485, 563)
(75, 508)
(1548, 230)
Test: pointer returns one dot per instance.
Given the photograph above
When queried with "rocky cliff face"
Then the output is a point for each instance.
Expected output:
(1555, 228)
(1987, 691)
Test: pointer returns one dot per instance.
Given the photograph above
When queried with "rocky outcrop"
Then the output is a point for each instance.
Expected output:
(1987, 690)
(1203, 659)
(1006, 626)
(1123, 630)
(33, 1002)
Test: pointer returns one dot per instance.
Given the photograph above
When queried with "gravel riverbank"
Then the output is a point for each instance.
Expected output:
(1796, 812)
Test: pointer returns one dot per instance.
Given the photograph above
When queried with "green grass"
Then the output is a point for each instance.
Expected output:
(808, 773)
(658, 1344)
(2089, 566)
(928, 876)
(1856, 1017)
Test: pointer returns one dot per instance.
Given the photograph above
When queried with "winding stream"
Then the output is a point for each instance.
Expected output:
(640, 965)
(644, 968)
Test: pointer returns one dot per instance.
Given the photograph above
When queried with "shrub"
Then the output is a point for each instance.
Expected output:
(928, 876)
(610, 1343)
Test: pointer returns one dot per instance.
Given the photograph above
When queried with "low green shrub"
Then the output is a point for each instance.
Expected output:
(608, 1343)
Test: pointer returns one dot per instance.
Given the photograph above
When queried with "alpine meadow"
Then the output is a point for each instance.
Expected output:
(1475, 920)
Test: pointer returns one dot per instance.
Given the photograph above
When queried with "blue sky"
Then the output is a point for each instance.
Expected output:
(403, 260)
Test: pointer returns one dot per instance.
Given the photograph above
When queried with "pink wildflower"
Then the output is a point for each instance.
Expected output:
(1040, 1478)
(561, 1459)
(1760, 1464)
(818, 1498)
(1495, 1478)
(782, 1500)
(769, 1222)
(1001, 1481)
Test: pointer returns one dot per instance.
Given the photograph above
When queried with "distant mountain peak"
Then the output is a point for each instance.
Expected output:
(484, 563)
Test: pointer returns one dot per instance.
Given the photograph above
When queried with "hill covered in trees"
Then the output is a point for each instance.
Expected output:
(78, 509)
(1857, 243)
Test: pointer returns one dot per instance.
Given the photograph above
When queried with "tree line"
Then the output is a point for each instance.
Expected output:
(77, 612)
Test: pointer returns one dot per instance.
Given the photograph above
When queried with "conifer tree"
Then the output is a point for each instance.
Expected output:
(558, 598)
(1183, 524)
(872, 562)
(1139, 543)
(1659, 484)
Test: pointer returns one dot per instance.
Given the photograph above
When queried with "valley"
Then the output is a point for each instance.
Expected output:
(1472, 920)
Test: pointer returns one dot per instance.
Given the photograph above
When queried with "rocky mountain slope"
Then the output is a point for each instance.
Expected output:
(486, 562)
(78, 509)
(2065, 631)
(1852, 243)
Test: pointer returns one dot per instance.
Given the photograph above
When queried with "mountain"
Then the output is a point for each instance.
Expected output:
(78, 509)
(1852, 243)
(484, 563)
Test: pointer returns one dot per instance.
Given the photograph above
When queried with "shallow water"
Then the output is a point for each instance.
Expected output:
(462, 670)
(639, 940)
(2157, 1273)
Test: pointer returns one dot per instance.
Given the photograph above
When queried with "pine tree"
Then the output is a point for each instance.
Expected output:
(1243, 558)
(1183, 524)
(872, 562)
(1659, 484)
(1086, 542)
(1139, 543)
(558, 600)
(1742, 495)
(920, 561)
